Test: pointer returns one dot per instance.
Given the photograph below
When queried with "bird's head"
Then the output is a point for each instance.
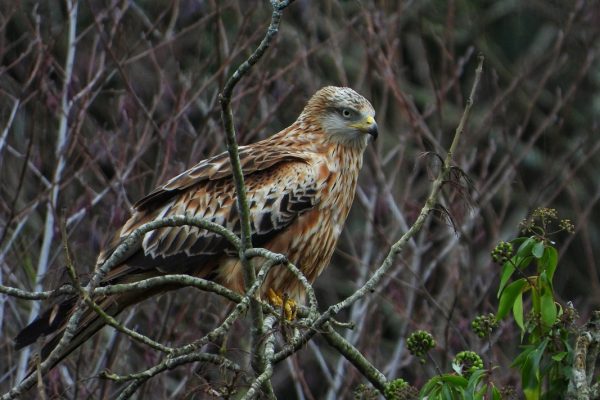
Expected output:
(342, 114)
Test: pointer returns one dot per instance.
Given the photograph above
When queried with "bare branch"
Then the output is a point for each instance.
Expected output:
(587, 345)
(238, 175)
(352, 354)
(61, 155)
(269, 350)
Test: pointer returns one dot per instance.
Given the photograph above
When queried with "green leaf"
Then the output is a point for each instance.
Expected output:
(509, 296)
(529, 364)
(549, 261)
(447, 386)
(524, 249)
(521, 358)
(518, 312)
(538, 249)
(537, 354)
(531, 393)
(546, 283)
(517, 241)
(507, 270)
(523, 256)
(530, 373)
(481, 393)
(430, 387)
(560, 356)
(446, 393)
(454, 380)
(496, 393)
(548, 309)
(467, 395)
(475, 379)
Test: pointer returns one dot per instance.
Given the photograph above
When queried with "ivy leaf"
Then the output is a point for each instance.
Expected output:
(430, 387)
(518, 312)
(524, 249)
(560, 356)
(471, 392)
(531, 394)
(507, 270)
(530, 371)
(549, 261)
(508, 297)
(548, 309)
(447, 386)
(519, 361)
(454, 380)
(446, 393)
(538, 250)
(529, 378)
(496, 393)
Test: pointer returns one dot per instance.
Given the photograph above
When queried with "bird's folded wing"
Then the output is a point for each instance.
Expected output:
(278, 191)
(253, 158)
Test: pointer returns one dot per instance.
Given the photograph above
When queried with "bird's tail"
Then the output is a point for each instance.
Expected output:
(52, 323)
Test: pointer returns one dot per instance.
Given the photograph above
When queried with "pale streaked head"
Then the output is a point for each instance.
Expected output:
(343, 114)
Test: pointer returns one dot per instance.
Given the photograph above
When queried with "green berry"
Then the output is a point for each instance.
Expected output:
(420, 342)
(502, 252)
(399, 389)
(467, 362)
(364, 392)
(483, 325)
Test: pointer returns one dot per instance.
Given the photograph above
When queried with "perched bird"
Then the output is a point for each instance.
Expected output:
(300, 185)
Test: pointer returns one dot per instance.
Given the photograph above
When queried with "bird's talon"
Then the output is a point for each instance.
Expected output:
(274, 298)
(287, 305)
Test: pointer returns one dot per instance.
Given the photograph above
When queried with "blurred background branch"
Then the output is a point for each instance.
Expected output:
(144, 106)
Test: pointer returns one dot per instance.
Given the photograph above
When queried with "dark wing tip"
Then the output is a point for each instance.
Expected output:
(31, 333)
(49, 321)
(154, 198)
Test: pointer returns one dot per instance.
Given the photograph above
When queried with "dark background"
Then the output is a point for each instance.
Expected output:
(144, 88)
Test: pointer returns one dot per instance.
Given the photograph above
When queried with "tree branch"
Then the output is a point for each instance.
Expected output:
(118, 255)
(352, 354)
(140, 378)
(263, 380)
(87, 298)
(212, 336)
(238, 175)
(587, 345)
(42, 295)
(61, 155)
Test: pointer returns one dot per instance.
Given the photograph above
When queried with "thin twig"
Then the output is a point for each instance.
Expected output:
(119, 254)
(172, 363)
(9, 123)
(139, 379)
(212, 336)
(269, 350)
(238, 175)
(352, 354)
(43, 295)
(87, 298)
(61, 155)
(281, 259)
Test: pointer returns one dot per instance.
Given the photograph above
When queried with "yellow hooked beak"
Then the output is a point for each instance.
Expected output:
(367, 125)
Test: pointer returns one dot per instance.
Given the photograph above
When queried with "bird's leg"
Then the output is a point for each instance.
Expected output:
(288, 306)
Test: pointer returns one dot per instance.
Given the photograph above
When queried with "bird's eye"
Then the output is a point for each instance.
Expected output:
(346, 113)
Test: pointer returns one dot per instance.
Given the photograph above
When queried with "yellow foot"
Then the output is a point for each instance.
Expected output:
(287, 305)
